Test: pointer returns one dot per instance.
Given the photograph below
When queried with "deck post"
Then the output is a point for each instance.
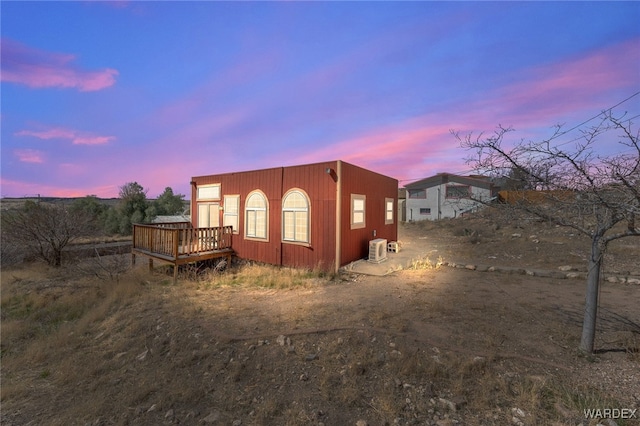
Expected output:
(175, 274)
(176, 237)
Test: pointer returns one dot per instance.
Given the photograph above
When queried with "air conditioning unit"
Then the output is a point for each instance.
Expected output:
(377, 250)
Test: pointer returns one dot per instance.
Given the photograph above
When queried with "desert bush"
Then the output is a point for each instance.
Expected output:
(45, 229)
(104, 267)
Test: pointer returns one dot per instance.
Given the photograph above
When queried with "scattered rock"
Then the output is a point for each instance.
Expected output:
(447, 404)
(311, 357)
(362, 423)
(565, 268)
(516, 421)
(517, 416)
(143, 355)
(518, 412)
(212, 417)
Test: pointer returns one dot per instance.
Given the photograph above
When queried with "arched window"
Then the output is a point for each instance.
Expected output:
(296, 224)
(256, 213)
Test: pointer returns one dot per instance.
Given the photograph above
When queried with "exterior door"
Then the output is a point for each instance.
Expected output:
(208, 215)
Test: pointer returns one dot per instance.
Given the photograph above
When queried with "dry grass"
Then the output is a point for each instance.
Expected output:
(77, 350)
(257, 275)
(425, 263)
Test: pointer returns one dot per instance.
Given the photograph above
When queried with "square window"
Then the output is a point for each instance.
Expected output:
(208, 192)
(388, 218)
(358, 211)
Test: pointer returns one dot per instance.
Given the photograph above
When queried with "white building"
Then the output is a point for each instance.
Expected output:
(446, 195)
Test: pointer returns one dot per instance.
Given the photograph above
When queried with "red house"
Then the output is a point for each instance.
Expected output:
(319, 215)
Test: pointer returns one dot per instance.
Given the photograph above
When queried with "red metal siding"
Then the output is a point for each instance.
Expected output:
(242, 183)
(321, 189)
(376, 187)
(320, 182)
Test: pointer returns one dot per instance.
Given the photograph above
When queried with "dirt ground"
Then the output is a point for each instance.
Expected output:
(425, 346)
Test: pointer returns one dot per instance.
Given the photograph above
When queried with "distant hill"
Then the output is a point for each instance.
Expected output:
(8, 203)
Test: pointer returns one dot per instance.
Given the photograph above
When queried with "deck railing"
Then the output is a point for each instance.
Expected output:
(173, 242)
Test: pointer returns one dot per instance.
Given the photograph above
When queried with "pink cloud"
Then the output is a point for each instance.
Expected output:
(584, 83)
(40, 69)
(75, 136)
(92, 140)
(422, 146)
(29, 156)
(56, 133)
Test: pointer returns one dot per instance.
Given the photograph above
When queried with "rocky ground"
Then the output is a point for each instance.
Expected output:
(428, 346)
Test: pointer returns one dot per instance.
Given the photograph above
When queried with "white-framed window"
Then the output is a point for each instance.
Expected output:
(388, 215)
(208, 192)
(425, 210)
(256, 213)
(358, 211)
(296, 221)
(208, 215)
(231, 209)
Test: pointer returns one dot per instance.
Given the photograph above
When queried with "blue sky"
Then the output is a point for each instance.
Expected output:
(97, 94)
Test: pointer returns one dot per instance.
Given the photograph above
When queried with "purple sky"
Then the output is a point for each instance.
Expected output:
(95, 95)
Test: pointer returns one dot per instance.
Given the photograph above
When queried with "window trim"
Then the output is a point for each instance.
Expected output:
(266, 216)
(225, 214)
(215, 205)
(353, 211)
(212, 185)
(427, 211)
(388, 211)
(308, 210)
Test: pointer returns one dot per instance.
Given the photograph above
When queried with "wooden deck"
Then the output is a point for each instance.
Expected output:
(178, 243)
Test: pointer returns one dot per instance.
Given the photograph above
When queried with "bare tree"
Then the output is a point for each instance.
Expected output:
(46, 229)
(576, 187)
